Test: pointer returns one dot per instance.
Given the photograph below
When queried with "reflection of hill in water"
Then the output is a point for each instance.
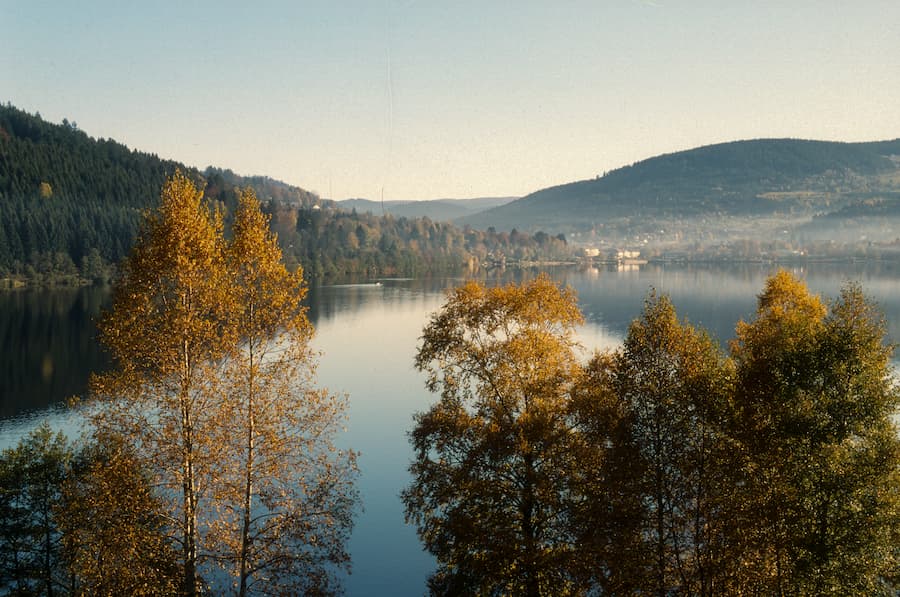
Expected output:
(717, 296)
(48, 343)
(714, 296)
(715, 302)
(47, 337)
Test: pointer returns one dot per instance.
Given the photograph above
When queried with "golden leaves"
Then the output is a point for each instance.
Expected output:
(214, 387)
(488, 494)
(665, 466)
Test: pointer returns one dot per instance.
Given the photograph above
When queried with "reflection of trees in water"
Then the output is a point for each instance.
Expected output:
(47, 338)
(326, 302)
(715, 296)
(48, 347)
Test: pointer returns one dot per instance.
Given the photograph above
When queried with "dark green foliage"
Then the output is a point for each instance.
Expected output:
(769, 161)
(70, 206)
(62, 192)
(31, 479)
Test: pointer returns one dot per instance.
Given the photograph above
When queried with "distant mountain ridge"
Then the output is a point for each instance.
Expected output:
(441, 210)
(754, 178)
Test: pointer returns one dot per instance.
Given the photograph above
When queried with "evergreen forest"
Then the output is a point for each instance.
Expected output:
(70, 207)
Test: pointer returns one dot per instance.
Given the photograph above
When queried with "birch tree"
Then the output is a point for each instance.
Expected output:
(815, 403)
(490, 491)
(674, 383)
(215, 388)
(168, 335)
(285, 495)
(608, 511)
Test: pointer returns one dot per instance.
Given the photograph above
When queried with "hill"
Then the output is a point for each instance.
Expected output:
(742, 181)
(441, 210)
(65, 194)
(70, 206)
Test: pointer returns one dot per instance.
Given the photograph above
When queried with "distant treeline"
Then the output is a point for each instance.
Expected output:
(70, 207)
(329, 242)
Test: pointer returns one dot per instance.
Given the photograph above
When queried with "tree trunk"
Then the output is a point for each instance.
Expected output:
(189, 479)
(248, 487)
(190, 525)
(532, 582)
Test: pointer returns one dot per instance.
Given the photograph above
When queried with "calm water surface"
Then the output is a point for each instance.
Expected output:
(368, 334)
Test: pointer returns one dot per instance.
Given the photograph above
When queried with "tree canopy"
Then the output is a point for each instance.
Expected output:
(489, 492)
(666, 466)
(214, 388)
(814, 405)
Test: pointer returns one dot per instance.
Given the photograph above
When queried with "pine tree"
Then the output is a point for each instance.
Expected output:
(31, 480)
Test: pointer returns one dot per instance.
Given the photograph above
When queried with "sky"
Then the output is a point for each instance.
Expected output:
(406, 99)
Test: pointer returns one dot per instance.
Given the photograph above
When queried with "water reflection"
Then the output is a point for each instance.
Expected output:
(49, 348)
(717, 297)
(368, 335)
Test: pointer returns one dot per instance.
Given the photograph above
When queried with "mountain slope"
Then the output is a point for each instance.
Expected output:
(70, 205)
(440, 210)
(763, 177)
(65, 195)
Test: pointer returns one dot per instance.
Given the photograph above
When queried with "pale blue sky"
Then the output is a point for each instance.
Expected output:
(430, 99)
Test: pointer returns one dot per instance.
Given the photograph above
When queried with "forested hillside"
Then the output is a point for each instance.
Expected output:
(70, 206)
(65, 196)
(443, 210)
(330, 242)
(762, 178)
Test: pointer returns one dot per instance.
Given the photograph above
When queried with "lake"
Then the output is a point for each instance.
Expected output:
(368, 335)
